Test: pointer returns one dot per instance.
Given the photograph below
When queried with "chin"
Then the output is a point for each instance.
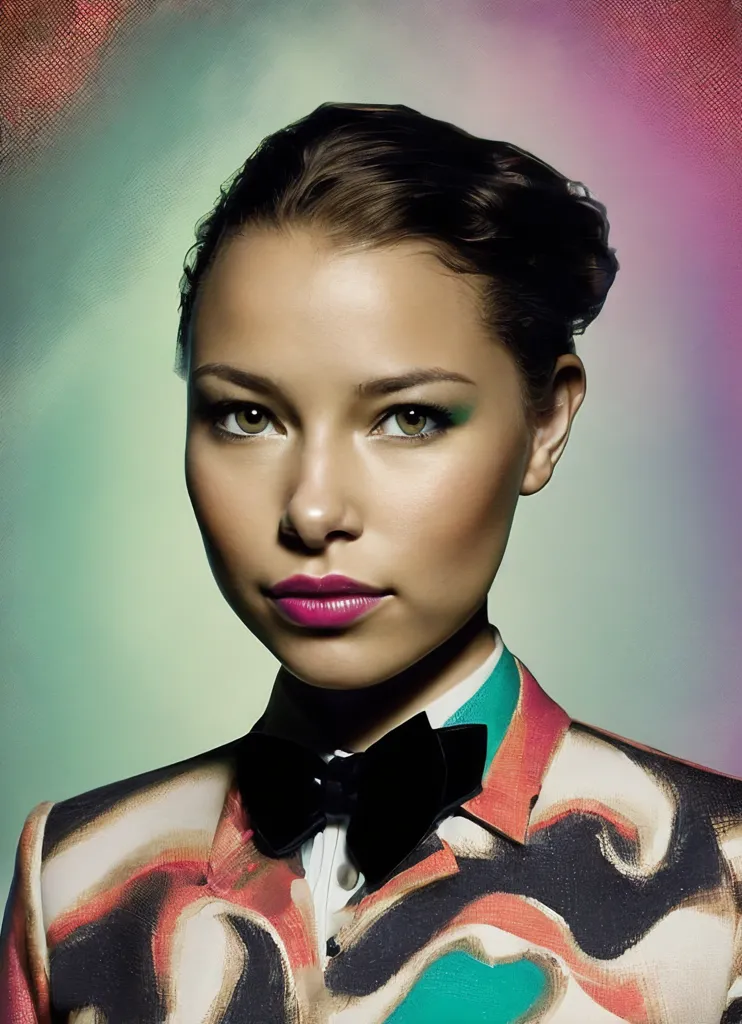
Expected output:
(346, 666)
(335, 677)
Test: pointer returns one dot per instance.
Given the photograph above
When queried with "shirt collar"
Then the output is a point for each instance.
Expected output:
(447, 709)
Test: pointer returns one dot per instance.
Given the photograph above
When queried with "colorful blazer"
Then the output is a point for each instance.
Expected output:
(592, 880)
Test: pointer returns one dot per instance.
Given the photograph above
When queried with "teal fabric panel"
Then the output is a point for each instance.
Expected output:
(457, 989)
(493, 703)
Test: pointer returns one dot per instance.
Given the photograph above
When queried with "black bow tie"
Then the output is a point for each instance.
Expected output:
(394, 793)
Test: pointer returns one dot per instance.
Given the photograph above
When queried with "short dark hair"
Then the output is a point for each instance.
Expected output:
(378, 175)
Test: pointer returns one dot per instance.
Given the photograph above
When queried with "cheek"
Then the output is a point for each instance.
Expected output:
(461, 515)
(231, 510)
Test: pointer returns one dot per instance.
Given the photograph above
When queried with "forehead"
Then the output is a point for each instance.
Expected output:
(292, 296)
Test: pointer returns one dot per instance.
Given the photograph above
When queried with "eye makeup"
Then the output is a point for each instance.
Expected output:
(215, 412)
(461, 413)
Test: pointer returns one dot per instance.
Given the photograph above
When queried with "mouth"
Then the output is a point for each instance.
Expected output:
(333, 585)
(326, 602)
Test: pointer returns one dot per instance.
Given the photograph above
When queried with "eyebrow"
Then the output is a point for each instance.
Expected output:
(368, 389)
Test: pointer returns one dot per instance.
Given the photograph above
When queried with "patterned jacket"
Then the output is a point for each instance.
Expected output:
(592, 880)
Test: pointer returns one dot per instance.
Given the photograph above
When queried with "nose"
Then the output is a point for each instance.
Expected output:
(320, 504)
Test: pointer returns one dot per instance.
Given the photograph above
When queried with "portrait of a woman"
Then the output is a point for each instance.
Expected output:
(377, 329)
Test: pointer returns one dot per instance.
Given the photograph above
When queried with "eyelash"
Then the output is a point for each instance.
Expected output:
(216, 411)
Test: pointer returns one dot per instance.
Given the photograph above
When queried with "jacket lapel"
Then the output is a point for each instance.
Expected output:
(273, 889)
(516, 772)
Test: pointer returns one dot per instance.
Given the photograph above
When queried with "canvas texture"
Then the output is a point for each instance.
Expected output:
(592, 880)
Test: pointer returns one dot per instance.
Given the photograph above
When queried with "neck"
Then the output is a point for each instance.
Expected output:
(328, 720)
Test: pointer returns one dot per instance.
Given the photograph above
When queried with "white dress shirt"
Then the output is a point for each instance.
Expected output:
(332, 878)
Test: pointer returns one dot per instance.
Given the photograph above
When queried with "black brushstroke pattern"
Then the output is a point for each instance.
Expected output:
(733, 1013)
(261, 994)
(561, 866)
(108, 963)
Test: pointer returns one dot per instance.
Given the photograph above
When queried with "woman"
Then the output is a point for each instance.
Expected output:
(376, 329)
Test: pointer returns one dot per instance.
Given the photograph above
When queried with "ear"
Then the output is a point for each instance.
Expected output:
(551, 427)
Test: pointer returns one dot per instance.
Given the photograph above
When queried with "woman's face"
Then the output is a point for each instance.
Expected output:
(313, 469)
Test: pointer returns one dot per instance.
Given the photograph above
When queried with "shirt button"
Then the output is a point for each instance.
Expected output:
(347, 876)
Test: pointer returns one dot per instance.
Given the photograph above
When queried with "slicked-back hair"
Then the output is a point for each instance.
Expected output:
(375, 176)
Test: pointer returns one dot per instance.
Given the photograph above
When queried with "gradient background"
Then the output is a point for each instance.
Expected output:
(118, 122)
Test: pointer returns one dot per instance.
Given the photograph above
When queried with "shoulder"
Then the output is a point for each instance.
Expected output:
(601, 746)
(660, 801)
(106, 838)
(185, 793)
(603, 758)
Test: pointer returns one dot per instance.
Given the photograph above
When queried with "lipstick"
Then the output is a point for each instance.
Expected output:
(325, 602)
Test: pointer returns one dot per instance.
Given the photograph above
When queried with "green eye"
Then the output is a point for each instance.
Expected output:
(417, 422)
(252, 419)
(411, 420)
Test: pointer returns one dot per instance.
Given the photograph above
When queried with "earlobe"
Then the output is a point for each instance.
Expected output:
(551, 432)
(539, 471)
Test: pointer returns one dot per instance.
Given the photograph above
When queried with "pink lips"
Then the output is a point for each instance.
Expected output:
(325, 601)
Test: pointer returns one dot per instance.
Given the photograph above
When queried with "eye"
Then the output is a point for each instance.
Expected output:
(241, 419)
(412, 419)
(235, 420)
